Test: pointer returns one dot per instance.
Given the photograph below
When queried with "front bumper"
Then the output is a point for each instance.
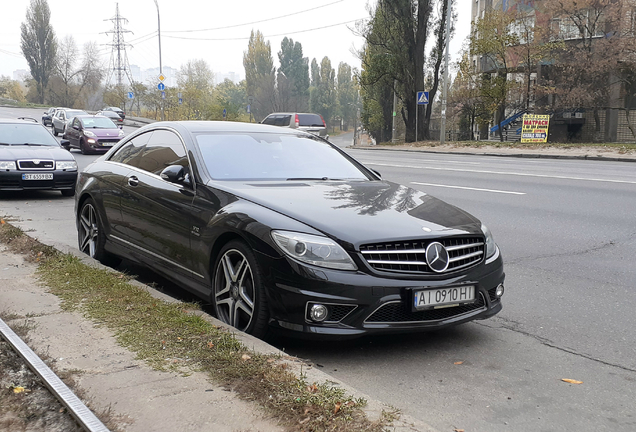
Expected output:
(361, 303)
(12, 180)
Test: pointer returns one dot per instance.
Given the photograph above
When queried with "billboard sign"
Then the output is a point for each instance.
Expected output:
(535, 128)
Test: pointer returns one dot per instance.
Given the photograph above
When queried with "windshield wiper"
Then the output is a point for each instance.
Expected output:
(310, 178)
(31, 144)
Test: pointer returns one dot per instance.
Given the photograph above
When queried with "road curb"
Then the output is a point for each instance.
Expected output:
(495, 154)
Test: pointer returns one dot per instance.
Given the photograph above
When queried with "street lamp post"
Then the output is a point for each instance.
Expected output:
(160, 65)
(445, 89)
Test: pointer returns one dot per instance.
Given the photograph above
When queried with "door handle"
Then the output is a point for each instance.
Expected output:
(133, 181)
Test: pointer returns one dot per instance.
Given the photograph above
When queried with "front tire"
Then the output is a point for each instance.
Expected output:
(238, 294)
(82, 147)
(90, 235)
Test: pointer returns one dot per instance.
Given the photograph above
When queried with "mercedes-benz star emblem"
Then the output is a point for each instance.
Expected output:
(437, 257)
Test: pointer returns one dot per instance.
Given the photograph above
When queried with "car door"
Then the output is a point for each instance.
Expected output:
(157, 213)
(73, 134)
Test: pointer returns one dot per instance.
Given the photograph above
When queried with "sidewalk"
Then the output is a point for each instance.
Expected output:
(144, 399)
(493, 149)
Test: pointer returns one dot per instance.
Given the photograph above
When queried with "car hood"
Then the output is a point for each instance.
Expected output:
(359, 212)
(15, 152)
(105, 133)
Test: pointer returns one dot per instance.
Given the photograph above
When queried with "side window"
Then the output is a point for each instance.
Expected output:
(130, 153)
(270, 120)
(283, 120)
(163, 149)
(76, 122)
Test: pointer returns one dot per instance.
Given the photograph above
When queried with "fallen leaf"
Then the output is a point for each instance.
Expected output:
(571, 381)
(40, 253)
(304, 420)
(458, 363)
(337, 408)
(2, 221)
(312, 388)
(245, 357)
(210, 345)
(18, 389)
(459, 430)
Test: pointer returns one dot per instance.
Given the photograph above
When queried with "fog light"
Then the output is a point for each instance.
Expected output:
(92, 141)
(499, 291)
(318, 312)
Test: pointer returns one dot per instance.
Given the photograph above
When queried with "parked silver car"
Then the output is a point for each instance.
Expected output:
(308, 122)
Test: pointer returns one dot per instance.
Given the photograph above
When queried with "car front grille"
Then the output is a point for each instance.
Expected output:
(399, 312)
(108, 140)
(410, 256)
(30, 164)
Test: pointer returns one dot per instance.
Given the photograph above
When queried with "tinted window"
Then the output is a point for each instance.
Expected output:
(162, 150)
(130, 153)
(18, 134)
(270, 120)
(265, 156)
(309, 120)
(283, 120)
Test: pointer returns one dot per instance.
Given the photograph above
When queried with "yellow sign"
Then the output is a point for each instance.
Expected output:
(161, 77)
(535, 128)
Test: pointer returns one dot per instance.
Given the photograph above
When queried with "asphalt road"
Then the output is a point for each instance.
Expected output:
(567, 230)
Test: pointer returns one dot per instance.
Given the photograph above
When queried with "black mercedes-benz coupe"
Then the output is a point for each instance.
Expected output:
(280, 230)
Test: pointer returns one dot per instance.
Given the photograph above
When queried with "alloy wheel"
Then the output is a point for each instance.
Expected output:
(234, 291)
(88, 230)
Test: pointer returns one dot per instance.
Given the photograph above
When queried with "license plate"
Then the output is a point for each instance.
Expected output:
(443, 297)
(107, 144)
(47, 176)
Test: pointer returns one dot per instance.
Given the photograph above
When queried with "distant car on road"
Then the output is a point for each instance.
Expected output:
(47, 117)
(113, 116)
(118, 110)
(92, 134)
(280, 229)
(30, 158)
(308, 122)
(62, 117)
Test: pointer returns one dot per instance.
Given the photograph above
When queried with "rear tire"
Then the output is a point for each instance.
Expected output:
(54, 130)
(90, 235)
(238, 294)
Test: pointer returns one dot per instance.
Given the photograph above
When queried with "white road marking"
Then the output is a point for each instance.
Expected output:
(470, 188)
(506, 173)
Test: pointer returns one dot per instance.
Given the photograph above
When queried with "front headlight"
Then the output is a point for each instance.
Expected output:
(491, 247)
(7, 165)
(121, 133)
(66, 165)
(89, 133)
(315, 250)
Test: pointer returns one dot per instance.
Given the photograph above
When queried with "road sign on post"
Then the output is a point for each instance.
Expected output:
(131, 95)
(224, 113)
(163, 95)
(422, 98)
(161, 86)
(180, 101)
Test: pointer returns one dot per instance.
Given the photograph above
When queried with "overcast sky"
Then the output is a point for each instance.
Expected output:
(323, 27)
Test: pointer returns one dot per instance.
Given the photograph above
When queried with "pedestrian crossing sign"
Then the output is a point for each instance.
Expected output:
(422, 98)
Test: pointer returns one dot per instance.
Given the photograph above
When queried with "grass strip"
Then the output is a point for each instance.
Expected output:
(171, 336)
(620, 147)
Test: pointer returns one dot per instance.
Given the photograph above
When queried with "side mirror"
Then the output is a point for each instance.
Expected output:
(66, 144)
(76, 127)
(176, 174)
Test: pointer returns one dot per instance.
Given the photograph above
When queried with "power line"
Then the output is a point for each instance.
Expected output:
(255, 22)
(118, 57)
(10, 53)
(267, 36)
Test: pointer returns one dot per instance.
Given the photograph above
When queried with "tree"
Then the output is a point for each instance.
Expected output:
(232, 97)
(377, 96)
(11, 89)
(38, 44)
(196, 81)
(260, 75)
(347, 92)
(398, 34)
(293, 77)
(322, 98)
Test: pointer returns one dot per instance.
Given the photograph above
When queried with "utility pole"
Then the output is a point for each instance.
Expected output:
(163, 117)
(442, 137)
(393, 137)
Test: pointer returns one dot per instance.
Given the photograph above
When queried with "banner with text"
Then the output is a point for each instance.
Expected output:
(535, 128)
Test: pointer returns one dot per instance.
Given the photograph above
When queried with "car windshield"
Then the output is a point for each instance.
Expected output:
(98, 123)
(73, 113)
(25, 134)
(267, 156)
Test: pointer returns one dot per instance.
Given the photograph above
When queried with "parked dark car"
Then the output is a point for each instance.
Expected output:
(118, 110)
(92, 134)
(30, 158)
(280, 230)
(307, 122)
(48, 116)
(113, 116)
(62, 118)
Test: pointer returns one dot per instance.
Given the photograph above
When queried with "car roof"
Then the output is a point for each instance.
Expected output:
(196, 126)
(5, 120)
